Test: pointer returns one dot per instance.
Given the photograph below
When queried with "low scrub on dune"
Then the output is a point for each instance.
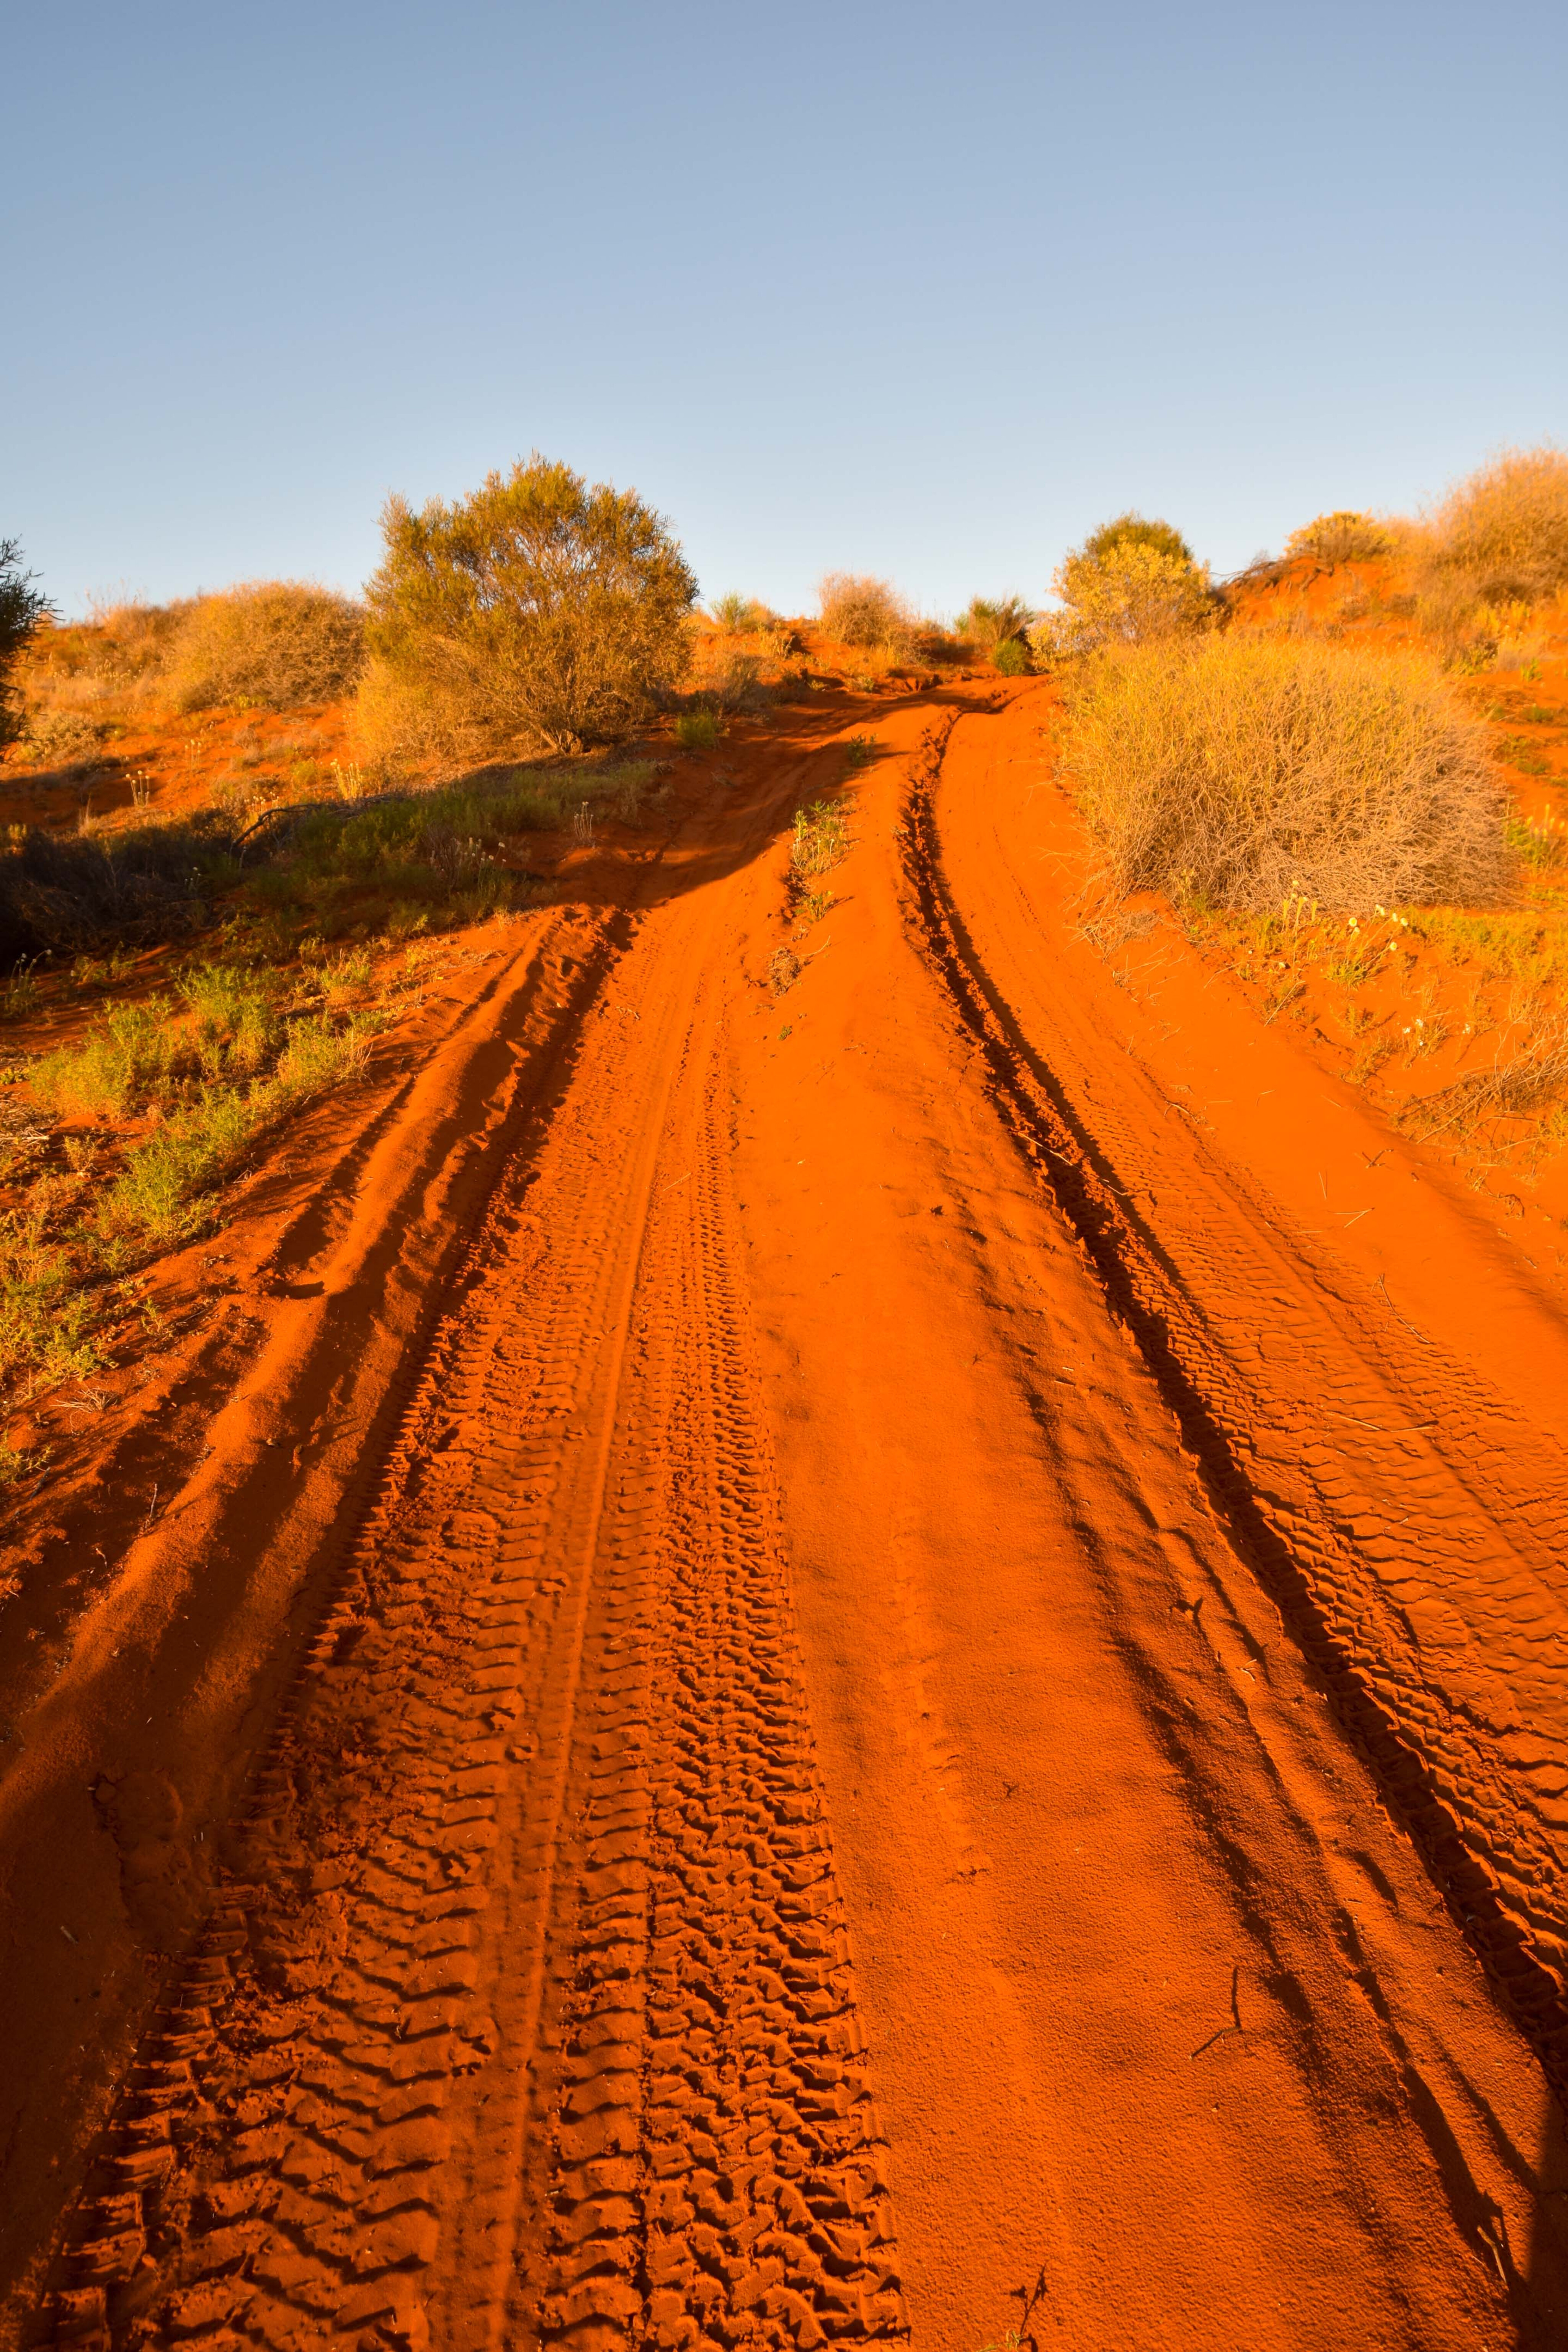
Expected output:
(1243, 771)
(275, 643)
(149, 883)
(740, 616)
(991, 622)
(408, 859)
(1133, 581)
(118, 657)
(1502, 534)
(539, 612)
(854, 609)
(1343, 537)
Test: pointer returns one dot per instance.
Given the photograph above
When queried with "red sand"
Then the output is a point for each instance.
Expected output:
(825, 1662)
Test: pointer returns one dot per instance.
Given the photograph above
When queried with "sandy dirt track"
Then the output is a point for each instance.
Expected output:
(944, 1711)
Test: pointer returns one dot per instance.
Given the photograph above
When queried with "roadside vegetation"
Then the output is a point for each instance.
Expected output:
(1242, 770)
(1133, 581)
(538, 613)
(22, 610)
(1345, 769)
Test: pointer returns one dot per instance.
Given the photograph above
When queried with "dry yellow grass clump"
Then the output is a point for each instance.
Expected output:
(278, 643)
(1242, 769)
(856, 609)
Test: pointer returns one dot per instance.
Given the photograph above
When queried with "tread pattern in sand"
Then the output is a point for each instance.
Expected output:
(528, 2014)
(1405, 1520)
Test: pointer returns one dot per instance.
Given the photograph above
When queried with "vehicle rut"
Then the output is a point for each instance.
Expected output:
(526, 2015)
(1311, 1459)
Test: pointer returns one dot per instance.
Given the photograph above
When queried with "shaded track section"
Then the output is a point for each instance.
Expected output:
(1334, 1519)
(526, 2015)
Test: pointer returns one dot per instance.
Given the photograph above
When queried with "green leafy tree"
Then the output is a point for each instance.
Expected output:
(22, 607)
(539, 611)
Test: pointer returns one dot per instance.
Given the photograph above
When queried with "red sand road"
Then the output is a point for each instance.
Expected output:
(945, 1714)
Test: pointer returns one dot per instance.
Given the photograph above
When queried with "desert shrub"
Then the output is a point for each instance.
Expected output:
(148, 882)
(1011, 657)
(1342, 537)
(128, 1054)
(1241, 771)
(1500, 536)
(743, 615)
(62, 738)
(856, 610)
(696, 731)
(118, 655)
(992, 621)
(22, 610)
(539, 611)
(1133, 579)
(1130, 529)
(277, 643)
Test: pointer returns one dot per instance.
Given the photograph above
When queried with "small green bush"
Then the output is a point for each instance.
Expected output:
(992, 621)
(23, 610)
(696, 731)
(536, 611)
(743, 615)
(821, 839)
(1011, 657)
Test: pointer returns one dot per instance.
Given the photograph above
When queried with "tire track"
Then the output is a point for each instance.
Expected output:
(1331, 1523)
(526, 2011)
(715, 2164)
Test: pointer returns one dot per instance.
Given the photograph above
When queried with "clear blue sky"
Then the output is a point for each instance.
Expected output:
(917, 289)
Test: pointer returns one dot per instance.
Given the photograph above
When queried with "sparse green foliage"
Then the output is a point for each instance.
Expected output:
(821, 839)
(1011, 657)
(536, 611)
(992, 622)
(743, 615)
(696, 731)
(23, 608)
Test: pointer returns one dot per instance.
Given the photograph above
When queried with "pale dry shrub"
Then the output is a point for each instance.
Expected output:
(274, 643)
(1343, 537)
(1500, 536)
(1243, 770)
(854, 609)
(538, 610)
(116, 656)
(62, 737)
(1133, 581)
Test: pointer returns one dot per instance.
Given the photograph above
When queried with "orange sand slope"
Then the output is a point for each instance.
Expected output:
(934, 1704)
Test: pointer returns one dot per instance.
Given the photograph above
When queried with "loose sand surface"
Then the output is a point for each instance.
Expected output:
(865, 1651)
